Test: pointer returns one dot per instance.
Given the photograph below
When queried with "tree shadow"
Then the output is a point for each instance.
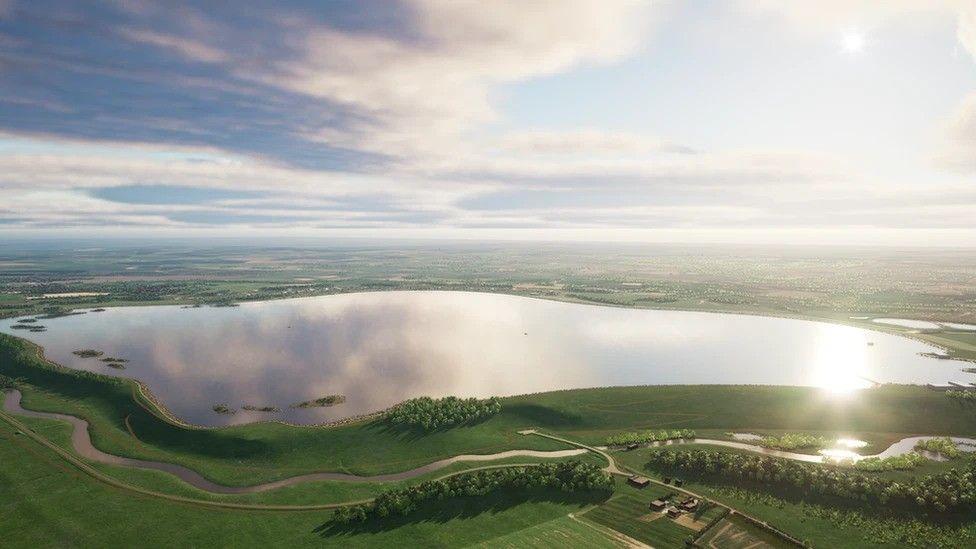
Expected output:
(542, 415)
(462, 508)
(410, 432)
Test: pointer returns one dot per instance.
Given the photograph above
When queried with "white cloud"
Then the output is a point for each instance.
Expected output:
(194, 50)
(421, 94)
(587, 142)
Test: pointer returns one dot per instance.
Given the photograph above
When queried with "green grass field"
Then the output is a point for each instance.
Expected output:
(627, 512)
(47, 503)
(559, 532)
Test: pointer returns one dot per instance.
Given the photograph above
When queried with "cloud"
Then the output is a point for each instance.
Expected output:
(188, 48)
(959, 148)
(324, 86)
(418, 96)
(326, 115)
(589, 142)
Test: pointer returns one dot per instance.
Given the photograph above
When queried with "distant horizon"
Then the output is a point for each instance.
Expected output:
(57, 241)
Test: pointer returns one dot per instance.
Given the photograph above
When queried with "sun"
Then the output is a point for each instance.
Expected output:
(852, 42)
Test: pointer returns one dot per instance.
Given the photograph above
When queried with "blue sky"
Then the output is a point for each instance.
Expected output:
(847, 121)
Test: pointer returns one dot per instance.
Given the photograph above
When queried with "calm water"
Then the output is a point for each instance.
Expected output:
(380, 348)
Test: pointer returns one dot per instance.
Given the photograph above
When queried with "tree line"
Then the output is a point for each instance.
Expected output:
(643, 437)
(961, 396)
(938, 492)
(431, 414)
(568, 476)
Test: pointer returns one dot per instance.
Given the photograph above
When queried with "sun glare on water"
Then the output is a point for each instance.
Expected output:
(839, 364)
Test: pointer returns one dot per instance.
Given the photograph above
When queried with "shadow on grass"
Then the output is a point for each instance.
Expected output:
(415, 432)
(542, 415)
(461, 508)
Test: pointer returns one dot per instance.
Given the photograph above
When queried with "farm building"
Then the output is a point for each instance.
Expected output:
(639, 481)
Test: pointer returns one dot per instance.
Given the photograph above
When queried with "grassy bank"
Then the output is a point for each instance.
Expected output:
(46, 503)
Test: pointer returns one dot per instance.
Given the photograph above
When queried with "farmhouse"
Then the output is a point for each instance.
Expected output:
(689, 504)
(658, 505)
(639, 481)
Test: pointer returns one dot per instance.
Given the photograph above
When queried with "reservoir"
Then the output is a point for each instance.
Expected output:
(377, 349)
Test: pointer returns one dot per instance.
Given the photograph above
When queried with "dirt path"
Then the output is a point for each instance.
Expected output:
(82, 444)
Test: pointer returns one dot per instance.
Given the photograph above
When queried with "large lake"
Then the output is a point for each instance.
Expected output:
(380, 348)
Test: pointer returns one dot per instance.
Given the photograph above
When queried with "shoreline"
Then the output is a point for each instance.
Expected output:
(144, 396)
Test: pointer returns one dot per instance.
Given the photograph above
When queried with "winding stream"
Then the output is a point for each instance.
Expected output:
(82, 444)
(898, 448)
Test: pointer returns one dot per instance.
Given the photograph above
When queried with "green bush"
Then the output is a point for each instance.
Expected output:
(643, 437)
(903, 462)
(943, 446)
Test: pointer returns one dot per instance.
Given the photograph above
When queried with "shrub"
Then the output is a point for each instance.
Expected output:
(643, 437)
(943, 446)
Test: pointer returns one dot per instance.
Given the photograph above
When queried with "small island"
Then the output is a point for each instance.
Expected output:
(29, 327)
(87, 353)
(117, 363)
(251, 408)
(224, 409)
(326, 401)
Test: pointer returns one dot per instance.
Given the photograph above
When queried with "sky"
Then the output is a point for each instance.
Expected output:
(820, 121)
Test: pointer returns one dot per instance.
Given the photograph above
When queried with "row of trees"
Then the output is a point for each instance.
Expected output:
(961, 396)
(569, 476)
(432, 414)
(940, 492)
(643, 437)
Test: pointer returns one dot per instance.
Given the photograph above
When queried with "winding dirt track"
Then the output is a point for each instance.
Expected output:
(82, 444)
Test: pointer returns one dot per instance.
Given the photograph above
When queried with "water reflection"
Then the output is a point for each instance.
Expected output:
(840, 362)
(379, 348)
